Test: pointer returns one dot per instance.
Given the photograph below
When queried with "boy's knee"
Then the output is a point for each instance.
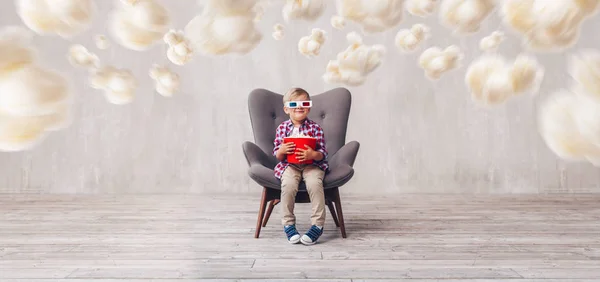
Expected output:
(289, 186)
(314, 181)
(290, 180)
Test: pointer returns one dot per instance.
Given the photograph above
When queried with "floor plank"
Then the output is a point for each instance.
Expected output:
(418, 238)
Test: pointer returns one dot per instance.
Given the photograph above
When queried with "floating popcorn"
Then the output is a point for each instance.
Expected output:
(33, 99)
(65, 18)
(20, 134)
(465, 16)
(568, 123)
(557, 127)
(59, 119)
(587, 119)
(16, 49)
(490, 43)
(310, 46)
(492, 80)
(166, 81)
(352, 65)
(585, 70)
(138, 24)
(180, 50)
(569, 120)
(259, 10)
(407, 40)
(548, 26)
(119, 85)
(373, 16)
(338, 22)
(102, 42)
(224, 27)
(278, 32)
(32, 91)
(309, 10)
(420, 8)
(436, 62)
(79, 56)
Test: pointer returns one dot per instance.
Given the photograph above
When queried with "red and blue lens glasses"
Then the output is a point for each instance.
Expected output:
(298, 104)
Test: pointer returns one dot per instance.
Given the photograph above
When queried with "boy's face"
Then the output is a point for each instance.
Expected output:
(297, 114)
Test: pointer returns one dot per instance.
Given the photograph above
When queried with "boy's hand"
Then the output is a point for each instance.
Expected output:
(306, 154)
(287, 148)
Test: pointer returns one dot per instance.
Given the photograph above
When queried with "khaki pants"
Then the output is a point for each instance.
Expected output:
(313, 178)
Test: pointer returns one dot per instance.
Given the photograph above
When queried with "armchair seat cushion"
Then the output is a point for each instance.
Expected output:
(335, 177)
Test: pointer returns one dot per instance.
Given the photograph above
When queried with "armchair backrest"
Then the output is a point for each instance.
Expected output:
(330, 110)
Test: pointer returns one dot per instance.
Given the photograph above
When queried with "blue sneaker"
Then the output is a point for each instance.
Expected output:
(292, 234)
(312, 235)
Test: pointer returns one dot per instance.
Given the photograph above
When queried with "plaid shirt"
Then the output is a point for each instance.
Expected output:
(308, 127)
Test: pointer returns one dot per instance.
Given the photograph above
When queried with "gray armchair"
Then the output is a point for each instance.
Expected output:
(331, 110)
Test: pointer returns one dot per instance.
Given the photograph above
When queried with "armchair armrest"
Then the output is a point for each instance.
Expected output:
(255, 155)
(345, 155)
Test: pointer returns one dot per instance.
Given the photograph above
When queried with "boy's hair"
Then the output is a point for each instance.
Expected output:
(295, 92)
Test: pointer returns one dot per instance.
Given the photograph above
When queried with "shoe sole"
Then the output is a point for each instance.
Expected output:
(294, 241)
(307, 243)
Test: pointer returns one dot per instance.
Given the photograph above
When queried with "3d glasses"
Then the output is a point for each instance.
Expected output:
(298, 104)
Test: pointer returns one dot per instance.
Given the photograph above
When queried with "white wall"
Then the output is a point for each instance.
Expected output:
(416, 135)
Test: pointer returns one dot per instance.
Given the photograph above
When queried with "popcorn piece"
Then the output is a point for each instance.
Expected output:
(180, 50)
(119, 85)
(548, 26)
(278, 32)
(79, 56)
(32, 91)
(352, 65)
(65, 18)
(569, 120)
(587, 119)
(33, 99)
(566, 122)
(20, 134)
(308, 10)
(492, 80)
(373, 16)
(166, 81)
(490, 43)
(59, 119)
(588, 8)
(310, 46)
(465, 16)
(259, 10)
(224, 27)
(300, 135)
(585, 69)
(407, 40)
(16, 49)
(421, 8)
(137, 25)
(338, 22)
(102, 42)
(436, 62)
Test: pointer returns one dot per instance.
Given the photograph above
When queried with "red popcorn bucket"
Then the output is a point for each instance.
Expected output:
(300, 142)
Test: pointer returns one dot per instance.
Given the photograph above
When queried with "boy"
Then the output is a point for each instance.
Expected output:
(291, 174)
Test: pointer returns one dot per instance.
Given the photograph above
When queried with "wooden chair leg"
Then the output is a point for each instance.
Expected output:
(333, 213)
(272, 204)
(340, 214)
(261, 212)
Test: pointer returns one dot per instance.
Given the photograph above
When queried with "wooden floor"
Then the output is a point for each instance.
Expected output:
(192, 238)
